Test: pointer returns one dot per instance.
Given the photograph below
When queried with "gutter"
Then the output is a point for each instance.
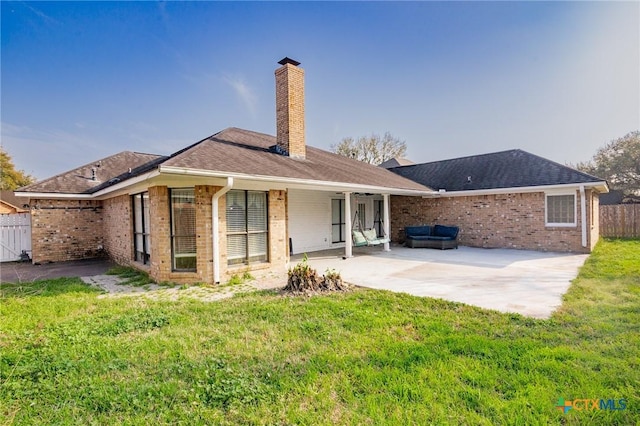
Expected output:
(330, 186)
(600, 186)
(216, 228)
(96, 195)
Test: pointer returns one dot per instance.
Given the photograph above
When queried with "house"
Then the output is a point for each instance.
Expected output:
(10, 204)
(234, 201)
(240, 200)
(510, 199)
(395, 162)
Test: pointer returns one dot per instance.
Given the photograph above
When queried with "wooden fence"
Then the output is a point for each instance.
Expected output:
(15, 236)
(620, 221)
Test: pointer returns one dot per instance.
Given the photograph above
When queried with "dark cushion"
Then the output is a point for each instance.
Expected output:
(429, 237)
(446, 231)
(411, 231)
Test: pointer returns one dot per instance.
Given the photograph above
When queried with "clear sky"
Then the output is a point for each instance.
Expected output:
(85, 80)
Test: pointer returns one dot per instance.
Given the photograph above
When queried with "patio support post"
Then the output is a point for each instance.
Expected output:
(348, 249)
(583, 215)
(385, 206)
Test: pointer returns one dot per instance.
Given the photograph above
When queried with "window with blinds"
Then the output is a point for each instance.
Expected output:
(247, 227)
(183, 229)
(337, 221)
(141, 223)
(561, 210)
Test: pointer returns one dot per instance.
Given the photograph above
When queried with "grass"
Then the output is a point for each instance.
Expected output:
(131, 276)
(363, 357)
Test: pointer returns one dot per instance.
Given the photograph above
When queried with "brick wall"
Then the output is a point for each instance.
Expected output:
(204, 231)
(118, 229)
(594, 217)
(290, 110)
(159, 233)
(278, 238)
(66, 230)
(491, 221)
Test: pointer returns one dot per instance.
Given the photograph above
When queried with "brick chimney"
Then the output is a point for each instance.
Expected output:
(290, 108)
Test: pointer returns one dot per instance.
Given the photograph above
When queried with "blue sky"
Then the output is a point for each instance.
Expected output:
(84, 80)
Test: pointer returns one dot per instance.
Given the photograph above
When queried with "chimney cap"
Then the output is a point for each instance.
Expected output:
(287, 60)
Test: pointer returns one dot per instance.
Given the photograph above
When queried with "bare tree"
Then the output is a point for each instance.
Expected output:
(619, 163)
(371, 149)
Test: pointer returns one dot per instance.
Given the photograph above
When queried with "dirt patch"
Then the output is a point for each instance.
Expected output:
(113, 287)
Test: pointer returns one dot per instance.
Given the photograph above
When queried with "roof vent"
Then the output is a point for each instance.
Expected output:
(94, 174)
(468, 179)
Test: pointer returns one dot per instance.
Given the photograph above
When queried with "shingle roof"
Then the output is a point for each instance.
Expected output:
(241, 151)
(234, 151)
(10, 198)
(395, 162)
(507, 169)
(108, 171)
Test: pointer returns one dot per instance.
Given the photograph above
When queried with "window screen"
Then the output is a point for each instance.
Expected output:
(183, 229)
(141, 222)
(337, 221)
(561, 209)
(247, 227)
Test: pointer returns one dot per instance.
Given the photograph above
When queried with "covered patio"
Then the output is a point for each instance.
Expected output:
(530, 283)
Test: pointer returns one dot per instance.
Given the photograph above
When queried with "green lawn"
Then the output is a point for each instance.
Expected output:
(365, 357)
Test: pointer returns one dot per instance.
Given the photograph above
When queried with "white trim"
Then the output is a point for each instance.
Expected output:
(54, 195)
(600, 186)
(348, 242)
(385, 206)
(296, 183)
(546, 208)
(118, 186)
(215, 226)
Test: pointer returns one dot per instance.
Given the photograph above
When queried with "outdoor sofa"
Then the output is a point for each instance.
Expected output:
(439, 236)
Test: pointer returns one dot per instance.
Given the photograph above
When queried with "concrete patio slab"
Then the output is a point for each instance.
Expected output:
(526, 282)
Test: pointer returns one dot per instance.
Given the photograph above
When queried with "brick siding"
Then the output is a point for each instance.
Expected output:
(66, 230)
(290, 110)
(515, 220)
(118, 229)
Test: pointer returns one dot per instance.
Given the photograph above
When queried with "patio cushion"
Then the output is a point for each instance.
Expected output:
(411, 231)
(370, 234)
(358, 238)
(446, 231)
(435, 238)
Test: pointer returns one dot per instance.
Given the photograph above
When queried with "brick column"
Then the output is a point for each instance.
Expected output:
(278, 238)
(160, 233)
(204, 229)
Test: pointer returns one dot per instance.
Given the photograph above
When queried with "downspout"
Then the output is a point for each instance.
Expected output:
(216, 228)
(583, 215)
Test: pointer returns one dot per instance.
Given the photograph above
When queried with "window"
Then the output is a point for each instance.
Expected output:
(183, 229)
(362, 215)
(379, 217)
(247, 227)
(561, 210)
(141, 244)
(337, 221)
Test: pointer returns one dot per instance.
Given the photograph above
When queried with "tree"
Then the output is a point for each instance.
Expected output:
(619, 163)
(10, 178)
(371, 149)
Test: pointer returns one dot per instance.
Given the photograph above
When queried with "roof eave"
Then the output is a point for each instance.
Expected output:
(296, 182)
(600, 186)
